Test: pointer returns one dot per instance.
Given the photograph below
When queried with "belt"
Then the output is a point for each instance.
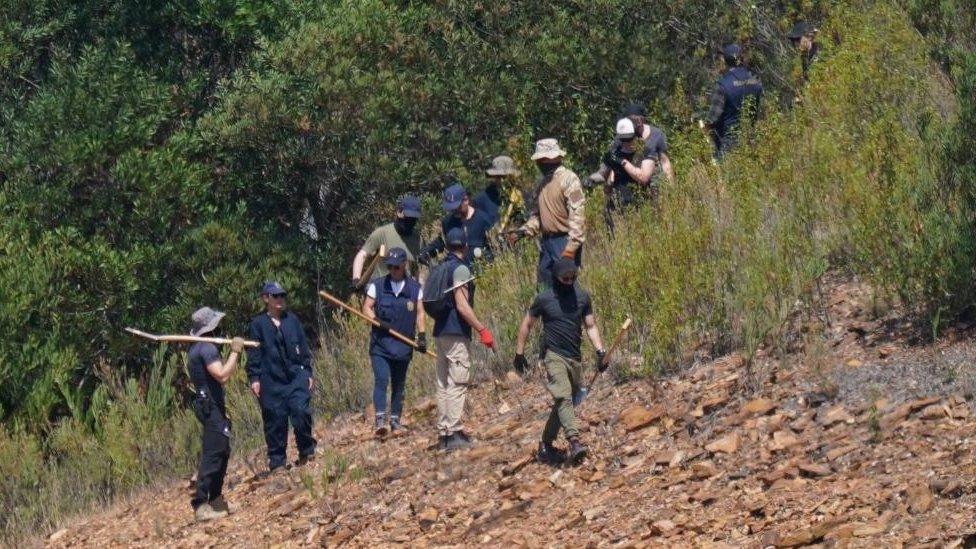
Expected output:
(554, 235)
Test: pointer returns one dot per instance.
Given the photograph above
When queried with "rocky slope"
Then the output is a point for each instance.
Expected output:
(864, 441)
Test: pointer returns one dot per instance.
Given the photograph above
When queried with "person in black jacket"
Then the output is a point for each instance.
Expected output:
(280, 373)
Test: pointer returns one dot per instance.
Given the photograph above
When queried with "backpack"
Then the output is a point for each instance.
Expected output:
(438, 297)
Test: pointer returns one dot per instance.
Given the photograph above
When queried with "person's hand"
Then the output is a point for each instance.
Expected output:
(601, 360)
(424, 258)
(422, 342)
(520, 364)
(355, 285)
(237, 345)
(384, 325)
(486, 338)
(569, 254)
(256, 388)
(514, 236)
(311, 383)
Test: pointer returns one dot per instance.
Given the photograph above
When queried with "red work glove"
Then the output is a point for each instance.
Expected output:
(486, 338)
(569, 254)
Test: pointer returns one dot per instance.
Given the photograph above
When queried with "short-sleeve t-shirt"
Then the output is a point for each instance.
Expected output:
(476, 227)
(200, 356)
(655, 144)
(490, 202)
(562, 320)
(388, 237)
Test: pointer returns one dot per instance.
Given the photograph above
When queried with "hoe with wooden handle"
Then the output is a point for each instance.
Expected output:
(581, 394)
(188, 338)
(339, 303)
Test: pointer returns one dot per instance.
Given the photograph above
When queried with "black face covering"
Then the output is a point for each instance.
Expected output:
(560, 288)
(548, 169)
(404, 225)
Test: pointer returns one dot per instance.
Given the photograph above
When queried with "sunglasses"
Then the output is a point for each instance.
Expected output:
(627, 139)
(278, 296)
(567, 279)
(392, 267)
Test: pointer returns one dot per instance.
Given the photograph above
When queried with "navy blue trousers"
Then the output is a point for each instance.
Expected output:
(392, 373)
(281, 403)
(550, 250)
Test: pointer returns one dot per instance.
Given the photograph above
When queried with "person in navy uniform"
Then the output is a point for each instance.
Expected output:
(737, 94)
(280, 373)
(396, 301)
(209, 372)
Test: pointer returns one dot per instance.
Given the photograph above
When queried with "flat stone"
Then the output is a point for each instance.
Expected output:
(637, 417)
(759, 407)
(728, 444)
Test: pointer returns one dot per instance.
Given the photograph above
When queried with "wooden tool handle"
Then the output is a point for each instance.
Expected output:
(613, 347)
(189, 338)
(339, 303)
(368, 273)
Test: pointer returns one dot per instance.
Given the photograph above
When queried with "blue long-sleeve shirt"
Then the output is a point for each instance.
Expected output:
(281, 348)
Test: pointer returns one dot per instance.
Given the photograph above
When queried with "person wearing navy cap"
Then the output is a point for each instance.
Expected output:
(401, 233)
(737, 94)
(396, 301)
(462, 214)
(280, 374)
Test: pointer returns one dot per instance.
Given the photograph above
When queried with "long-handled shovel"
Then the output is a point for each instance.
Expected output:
(339, 303)
(367, 274)
(581, 394)
(188, 338)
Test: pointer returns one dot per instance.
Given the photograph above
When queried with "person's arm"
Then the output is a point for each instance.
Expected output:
(464, 308)
(642, 174)
(716, 106)
(370, 247)
(368, 305)
(431, 250)
(575, 203)
(593, 332)
(421, 315)
(528, 321)
(666, 167)
(357, 265)
(255, 359)
(222, 370)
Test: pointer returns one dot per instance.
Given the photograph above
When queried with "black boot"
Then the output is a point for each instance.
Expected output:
(458, 441)
(549, 454)
(395, 424)
(577, 452)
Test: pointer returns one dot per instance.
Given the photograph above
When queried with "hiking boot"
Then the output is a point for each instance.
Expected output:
(305, 459)
(577, 452)
(549, 454)
(220, 504)
(458, 441)
(395, 424)
(380, 427)
(206, 512)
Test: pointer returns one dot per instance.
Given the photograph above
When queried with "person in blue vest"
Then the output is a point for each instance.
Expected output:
(396, 301)
(280, 373)
(737, 95)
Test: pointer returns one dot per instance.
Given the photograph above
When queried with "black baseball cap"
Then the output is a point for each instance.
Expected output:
(801, 29)
(456, 237)
(453, 196)
(732, 51)
(272, 288)
(564, 267)
(396, 257)
(634, 109)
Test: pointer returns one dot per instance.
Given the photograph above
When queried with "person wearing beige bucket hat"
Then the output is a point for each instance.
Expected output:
(500, 190)
(558, 216)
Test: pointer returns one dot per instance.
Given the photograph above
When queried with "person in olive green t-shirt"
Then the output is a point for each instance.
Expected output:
(399, 234)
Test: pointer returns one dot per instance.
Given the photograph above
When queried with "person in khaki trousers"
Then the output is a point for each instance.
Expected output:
(452, 337)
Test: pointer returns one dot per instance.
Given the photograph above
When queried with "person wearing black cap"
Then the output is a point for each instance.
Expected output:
(209, 373)
(396, 301)
(565, 309)
(737, 93)
(462, 214)
(452, 336)
(401, 233)
(803, 36)
(280, 374)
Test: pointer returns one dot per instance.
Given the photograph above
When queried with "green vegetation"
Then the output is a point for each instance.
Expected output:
(156, 159)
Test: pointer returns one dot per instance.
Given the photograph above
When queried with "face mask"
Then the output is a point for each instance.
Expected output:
(548, 169)
(404, 225)
(560, 288)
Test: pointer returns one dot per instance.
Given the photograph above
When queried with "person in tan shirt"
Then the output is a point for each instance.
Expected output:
(558, 217)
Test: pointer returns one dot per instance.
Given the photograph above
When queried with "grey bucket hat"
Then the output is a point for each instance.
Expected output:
(205, 320)
(502, 166)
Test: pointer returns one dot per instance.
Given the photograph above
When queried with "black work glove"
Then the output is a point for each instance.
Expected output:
(601, 363)
(422, 342)
(355, 285)
(520, 364)
(613, 158)
(384, 325)
(424, 258)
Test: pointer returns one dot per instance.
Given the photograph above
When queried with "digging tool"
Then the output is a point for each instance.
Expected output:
(367, 274)
(581, 394)
(188, 338)
(339, 303)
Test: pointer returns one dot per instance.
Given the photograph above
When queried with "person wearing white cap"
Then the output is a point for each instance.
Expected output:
(558, 216)
(629, 168)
